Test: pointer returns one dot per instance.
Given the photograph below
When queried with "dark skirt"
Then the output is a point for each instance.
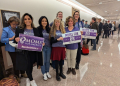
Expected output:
(58, 53)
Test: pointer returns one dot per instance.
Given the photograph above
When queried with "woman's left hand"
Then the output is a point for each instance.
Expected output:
(43, 44)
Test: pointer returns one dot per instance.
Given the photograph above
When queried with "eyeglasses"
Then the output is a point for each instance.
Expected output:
(76, 14)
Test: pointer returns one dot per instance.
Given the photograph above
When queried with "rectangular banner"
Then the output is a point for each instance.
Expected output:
(88, 33)
(30, 43)
(71, 37)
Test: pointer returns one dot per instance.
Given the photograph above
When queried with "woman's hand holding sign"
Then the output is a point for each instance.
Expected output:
(61, 38)
(17, 39)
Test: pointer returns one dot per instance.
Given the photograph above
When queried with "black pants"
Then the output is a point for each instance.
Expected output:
(1, 73)
(111, 32)
(57, 65)
(78, 57)
(97, 38)
(106, 33)
(89, 40)
(13, 58)
(31, 60)
(118, 30)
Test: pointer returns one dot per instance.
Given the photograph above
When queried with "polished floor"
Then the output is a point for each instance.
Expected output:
(99, 68)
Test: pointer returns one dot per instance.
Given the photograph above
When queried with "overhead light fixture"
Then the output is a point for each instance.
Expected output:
(118, 0)
(105, 11)
(100, 3)
(116, 10)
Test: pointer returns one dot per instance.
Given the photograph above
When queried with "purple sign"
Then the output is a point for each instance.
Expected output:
(71, 37)
(88, 33)
(30, 43)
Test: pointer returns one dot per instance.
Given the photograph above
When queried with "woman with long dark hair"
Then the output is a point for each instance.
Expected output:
(78, 24)
(27, 28)
(44, 31)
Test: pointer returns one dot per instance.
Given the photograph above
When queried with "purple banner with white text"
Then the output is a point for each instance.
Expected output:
(71, 37)
(88, 33)
(30, 43)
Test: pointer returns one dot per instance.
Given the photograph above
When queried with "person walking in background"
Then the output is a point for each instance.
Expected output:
(44, 31)
(89, 39)
(58, 49)
(106, 30)
(100, 26)
(27, 28)
(110, 26)
(94, 26)
(8, 34)
(118, 29)
(86, 25)
(112, 29)
(79, 24)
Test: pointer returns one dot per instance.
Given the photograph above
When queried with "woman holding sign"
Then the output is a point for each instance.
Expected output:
(71, 49)
(44, 30)
(79, 24)
(27, 28)
(58, 49)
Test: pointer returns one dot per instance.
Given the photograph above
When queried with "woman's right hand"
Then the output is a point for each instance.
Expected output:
(17, 39)
(61, 38)
(10, 39)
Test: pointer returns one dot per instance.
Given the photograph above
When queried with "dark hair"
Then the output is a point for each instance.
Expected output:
(59, 12)
(67, 20)
(79, 15)
(40, 23)
(93, 18)
(22, 26)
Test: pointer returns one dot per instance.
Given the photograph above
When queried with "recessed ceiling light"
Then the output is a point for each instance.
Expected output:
(105, 11)
(100, 3)
(118, 0)
(116, 10)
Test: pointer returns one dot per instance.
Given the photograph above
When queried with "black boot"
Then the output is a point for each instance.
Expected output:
(73, 71)
(58, 77)
(61, 72)
(77, 66)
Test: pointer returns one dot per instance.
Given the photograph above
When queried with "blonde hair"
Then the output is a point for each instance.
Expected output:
(53, 28)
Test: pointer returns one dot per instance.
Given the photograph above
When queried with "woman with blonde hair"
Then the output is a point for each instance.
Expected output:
(58, 49)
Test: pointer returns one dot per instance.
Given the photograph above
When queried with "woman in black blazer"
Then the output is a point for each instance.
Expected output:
(30, 57)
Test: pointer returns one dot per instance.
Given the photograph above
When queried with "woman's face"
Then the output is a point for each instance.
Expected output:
(70, 23)
(44, 22)
(57, 23)
(27, 20)
(13, 24)
(76, 16)
(60, 15)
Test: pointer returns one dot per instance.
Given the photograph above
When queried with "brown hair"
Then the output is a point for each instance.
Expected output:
(53, 28)
(67, 20)
(13, 19)
(59, 12)
(93, 18)
(23, 26)
(85, 45)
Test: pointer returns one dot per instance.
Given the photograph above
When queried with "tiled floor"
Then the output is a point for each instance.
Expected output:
(99, 68)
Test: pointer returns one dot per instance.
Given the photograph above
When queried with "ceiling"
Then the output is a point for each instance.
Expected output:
(109, 9)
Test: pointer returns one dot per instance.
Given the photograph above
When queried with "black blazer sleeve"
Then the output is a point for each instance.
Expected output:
(53, 40)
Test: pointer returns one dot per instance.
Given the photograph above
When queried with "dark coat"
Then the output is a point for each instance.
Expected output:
(22, 57)
(105, 26)
(100, 27)
(110, 25)
(94, 26)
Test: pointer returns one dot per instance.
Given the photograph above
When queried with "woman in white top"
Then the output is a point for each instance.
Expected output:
(112, 29)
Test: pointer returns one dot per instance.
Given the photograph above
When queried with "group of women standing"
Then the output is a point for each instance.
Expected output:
(52, 47)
